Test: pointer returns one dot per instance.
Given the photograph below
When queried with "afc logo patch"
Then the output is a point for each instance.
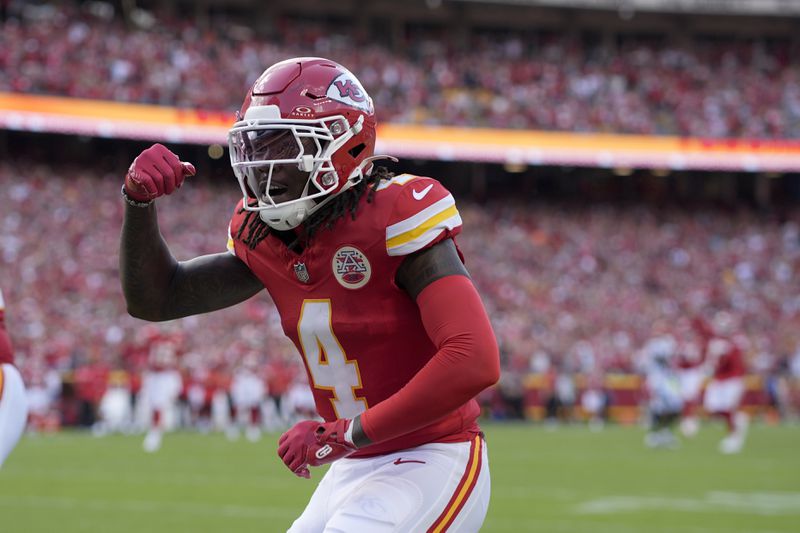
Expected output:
(351, 267)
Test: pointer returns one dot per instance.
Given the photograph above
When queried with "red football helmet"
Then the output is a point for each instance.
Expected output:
(313, 114)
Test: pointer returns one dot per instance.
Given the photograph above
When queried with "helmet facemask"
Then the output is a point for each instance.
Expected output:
(262, 143)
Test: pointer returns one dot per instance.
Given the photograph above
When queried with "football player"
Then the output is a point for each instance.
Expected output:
(691, 375)
(725, 363)
(663, 391)
(248, 393)
(370, 286)
(161, 386)
(13, 400)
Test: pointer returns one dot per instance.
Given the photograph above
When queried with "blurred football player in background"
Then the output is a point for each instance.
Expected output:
(691, 375)
(13, 400)
(724, 362)
(663, 392)
(371, 288)
(161, 385)
(298, 402)
(594, 402)
(248, 392)
(114, 412)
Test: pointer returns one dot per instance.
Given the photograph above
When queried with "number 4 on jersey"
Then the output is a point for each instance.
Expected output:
(329, 367)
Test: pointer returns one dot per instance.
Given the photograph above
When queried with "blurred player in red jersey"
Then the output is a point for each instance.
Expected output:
(724, 392)
(364, 270)
(13, 402)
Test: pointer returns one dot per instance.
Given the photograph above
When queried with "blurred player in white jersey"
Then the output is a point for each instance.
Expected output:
(161, 386)
(594, 402)
(115, 407)
(247, 396)
(298, 402)
(13, 400)
(663, 390)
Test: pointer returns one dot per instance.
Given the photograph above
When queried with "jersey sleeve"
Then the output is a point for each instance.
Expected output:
(424, 213)
(235, 246)
(231, 246)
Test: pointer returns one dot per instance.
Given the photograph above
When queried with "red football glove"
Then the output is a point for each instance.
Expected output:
(311, 443)
(155, 172)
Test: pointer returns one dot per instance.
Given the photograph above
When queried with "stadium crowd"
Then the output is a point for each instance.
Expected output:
(577, 290)
(724, 88)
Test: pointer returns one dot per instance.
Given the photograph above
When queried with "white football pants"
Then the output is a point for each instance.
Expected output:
(13, 409)
(723, 395)
(430, 488)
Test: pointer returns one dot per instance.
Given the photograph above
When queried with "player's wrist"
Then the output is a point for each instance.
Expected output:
(134, 200)
(355, 434)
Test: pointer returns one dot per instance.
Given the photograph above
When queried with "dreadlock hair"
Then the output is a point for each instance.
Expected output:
(344, 203)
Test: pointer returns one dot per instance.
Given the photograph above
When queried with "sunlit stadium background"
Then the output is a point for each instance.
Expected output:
(620, 165)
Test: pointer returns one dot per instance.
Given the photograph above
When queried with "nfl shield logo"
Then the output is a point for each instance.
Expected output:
(301, 272)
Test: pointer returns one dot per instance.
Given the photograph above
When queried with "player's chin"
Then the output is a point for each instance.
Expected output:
(284, 197)
(280, 195)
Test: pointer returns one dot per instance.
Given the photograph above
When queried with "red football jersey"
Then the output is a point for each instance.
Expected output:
(728, 358)
(690, 356)
(360, 335)
(6, 352)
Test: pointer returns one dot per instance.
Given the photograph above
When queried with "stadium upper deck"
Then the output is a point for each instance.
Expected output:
(639, 79)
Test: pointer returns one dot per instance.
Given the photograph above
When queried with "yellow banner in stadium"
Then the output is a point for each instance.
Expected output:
(168, 124)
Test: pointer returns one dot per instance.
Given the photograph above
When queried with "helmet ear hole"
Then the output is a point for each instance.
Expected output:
(357, 149)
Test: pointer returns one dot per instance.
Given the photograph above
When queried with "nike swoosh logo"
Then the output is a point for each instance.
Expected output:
(401, 461)
(419, 195)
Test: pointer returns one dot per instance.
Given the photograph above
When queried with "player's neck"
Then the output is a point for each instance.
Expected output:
(294, 239)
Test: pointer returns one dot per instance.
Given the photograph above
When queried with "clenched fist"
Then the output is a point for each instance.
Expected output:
(312, 443)
(155, 172)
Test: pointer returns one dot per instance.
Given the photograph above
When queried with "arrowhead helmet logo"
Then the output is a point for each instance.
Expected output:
(345, 88)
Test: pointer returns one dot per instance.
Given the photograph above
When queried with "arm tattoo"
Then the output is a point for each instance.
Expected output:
(360, 439)
(145, 262)
(210, 282)
(426, 266)
(157, 287)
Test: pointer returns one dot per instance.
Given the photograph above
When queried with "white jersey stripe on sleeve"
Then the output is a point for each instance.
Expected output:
(412, 241)
(230, 246)
(400, 179)
(416, 220)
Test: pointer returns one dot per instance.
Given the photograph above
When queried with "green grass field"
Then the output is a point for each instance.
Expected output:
(566, 480)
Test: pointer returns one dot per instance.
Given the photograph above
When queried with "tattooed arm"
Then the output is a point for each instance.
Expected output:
(157, 287)
(426, 266)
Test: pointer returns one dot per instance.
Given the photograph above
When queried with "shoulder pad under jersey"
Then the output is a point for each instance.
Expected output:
(424, 212)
